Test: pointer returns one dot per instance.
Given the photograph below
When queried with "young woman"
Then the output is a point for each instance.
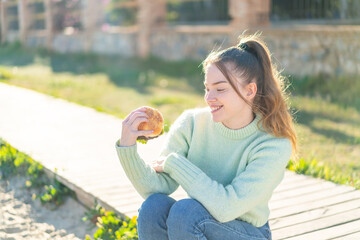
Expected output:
(228, 157)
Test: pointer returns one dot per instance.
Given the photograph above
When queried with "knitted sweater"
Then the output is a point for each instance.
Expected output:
(232, 173)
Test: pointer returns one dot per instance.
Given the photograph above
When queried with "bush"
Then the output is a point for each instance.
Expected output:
(110, 225)
(324, 171)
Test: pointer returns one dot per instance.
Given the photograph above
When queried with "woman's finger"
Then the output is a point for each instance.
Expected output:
(145, 133)
(137, 115)
(130, 116)
(137, 121)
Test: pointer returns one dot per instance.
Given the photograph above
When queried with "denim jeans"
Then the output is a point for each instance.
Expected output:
(161, 217)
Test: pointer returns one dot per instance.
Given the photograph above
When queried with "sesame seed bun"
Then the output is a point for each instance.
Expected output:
(156, 123)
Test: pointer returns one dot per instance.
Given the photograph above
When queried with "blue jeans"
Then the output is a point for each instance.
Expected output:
(161, 217)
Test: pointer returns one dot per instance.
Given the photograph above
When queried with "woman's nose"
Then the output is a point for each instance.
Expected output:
(210, 97)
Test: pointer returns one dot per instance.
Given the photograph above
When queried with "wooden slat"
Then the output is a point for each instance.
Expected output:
(121, 202)
(322, 223)
(121, 197)
(100, 180)
(121, 190)
(289, 173)
(127, 208)
(303, 207)
(98, 188)
(294, 193)
(290, 176)
(311, 197)
(295, 184)
(89, 174)
(352, 236)
(333, 232)
(315, 214)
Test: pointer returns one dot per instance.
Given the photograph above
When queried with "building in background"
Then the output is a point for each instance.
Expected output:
(306, 36)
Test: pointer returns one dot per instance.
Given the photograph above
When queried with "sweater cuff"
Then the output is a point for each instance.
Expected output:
(182, 170)
(131, 162)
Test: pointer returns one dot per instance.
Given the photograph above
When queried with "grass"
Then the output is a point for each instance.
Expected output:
(52, 193)
(327, 110)
(107, 83)
(14, 163)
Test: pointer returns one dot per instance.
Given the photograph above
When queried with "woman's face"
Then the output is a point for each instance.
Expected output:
(226, 105)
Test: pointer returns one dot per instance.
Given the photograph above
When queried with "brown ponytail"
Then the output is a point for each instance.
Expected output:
(252, 63)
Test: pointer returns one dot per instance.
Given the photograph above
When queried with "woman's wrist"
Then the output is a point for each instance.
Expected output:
(126, 143)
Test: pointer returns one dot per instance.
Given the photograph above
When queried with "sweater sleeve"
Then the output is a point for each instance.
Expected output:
(144, 178)
(253, 186)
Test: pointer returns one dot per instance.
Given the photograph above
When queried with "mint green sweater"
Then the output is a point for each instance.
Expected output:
(232, 173)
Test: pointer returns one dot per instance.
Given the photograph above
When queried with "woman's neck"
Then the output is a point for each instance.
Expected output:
(249, 116)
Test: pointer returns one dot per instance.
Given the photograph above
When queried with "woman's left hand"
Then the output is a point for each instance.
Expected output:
(158, 165)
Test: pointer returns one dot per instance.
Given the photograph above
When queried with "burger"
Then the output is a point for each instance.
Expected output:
(155, 123)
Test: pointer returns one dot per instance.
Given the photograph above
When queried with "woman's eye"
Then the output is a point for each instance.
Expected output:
(218, 90)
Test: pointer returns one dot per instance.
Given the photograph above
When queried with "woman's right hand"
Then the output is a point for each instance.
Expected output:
(130, 132)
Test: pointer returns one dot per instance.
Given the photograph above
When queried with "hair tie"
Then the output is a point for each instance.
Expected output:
(244, 46)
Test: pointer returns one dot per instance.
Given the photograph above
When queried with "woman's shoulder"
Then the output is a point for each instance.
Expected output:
(267, 142)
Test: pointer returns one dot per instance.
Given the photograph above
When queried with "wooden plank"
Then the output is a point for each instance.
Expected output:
(303, 207)
(321, 223)
(179, 194)
(293, 193)
(325, 194)
(132, 213)
(298, 183)
(314, 214)
(129, 208)
(118, 190)
(98, 187)
(329, 233)
(293, 177)
(116, 197)
(101, 181)
(352, 236)
(92, 174)
(120, 202)
(119, 197)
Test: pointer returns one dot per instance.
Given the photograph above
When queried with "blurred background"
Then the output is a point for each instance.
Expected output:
(117, 55)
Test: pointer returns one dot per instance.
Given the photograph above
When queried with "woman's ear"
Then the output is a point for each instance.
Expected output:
(251, 90)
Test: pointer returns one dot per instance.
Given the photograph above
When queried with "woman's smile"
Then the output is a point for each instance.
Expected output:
(216, 108)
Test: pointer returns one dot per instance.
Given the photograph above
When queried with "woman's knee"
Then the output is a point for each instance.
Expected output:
(184, 219)
(187, 211)
(154, 206)
(152, 217)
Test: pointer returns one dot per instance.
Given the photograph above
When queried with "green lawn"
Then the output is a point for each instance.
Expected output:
(327, 110)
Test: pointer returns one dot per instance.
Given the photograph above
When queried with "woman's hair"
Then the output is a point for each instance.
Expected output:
(250, 61)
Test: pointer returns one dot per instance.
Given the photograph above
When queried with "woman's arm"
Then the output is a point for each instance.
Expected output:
(143, 177)
(255, 185)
